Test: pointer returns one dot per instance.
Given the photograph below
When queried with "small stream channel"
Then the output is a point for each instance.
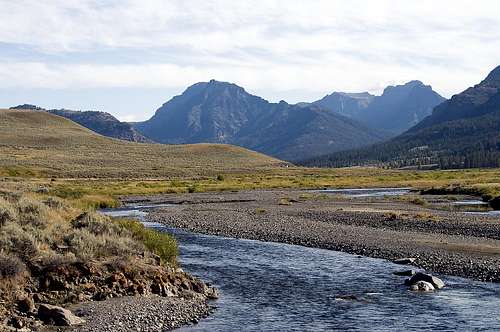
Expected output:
(280, 287)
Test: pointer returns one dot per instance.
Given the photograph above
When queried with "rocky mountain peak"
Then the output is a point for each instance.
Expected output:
(493, 76)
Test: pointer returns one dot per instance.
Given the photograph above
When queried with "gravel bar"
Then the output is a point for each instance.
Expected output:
(444, 242)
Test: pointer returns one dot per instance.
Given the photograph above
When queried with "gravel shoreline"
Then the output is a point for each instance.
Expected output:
(442, 242)
(137, 313)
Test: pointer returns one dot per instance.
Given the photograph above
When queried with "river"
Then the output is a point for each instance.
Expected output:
(279, 287)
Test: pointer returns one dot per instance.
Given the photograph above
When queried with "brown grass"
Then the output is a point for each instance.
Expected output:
(40, 144)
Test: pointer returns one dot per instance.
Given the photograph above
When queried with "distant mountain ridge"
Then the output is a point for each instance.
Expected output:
(221, 112)
(100, 122)
(398, 108)
(462, 132)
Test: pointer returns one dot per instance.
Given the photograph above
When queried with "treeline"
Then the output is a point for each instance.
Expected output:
(467, 143)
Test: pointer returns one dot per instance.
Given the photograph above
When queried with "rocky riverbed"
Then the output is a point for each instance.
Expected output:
(445, 242)
(133, 313)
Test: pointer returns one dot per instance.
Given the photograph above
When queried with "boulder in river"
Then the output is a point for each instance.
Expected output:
(407, 273)
(405, 261)
(422, 286)
(419, 276)
(58, 316)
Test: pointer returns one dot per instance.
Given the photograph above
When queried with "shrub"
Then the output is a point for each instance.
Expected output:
(87, 246)
(16, 240)
(10, 266)
(220, 177)
(7, 212)
(162, 244)
(419, 201)
(32, 212)
(96, 223)
(54, 203)
(11, 196)
(191, 189)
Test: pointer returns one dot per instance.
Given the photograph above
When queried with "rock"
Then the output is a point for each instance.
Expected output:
(16, 322)
(212, 293)
(436, 282)
(404, 273)
(58, 316)
(26, 304)
(495, 203)
(404, 261)
(422, 286)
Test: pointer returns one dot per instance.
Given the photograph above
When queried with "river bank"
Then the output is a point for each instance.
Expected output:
(453, 243)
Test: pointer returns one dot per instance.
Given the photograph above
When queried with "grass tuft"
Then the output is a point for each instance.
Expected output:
(162, 244)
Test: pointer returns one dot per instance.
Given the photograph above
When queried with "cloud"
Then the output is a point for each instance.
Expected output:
(274, 46)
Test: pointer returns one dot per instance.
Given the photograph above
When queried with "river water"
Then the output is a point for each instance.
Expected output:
(279, 287)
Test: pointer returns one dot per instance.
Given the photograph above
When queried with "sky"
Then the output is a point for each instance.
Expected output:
(128, 57)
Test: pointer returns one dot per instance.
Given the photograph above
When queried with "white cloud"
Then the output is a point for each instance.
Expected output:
(275, 46)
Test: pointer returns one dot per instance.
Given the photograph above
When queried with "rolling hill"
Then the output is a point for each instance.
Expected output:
(101, 122)
(40, 143)
(462, 132)
(221, 112)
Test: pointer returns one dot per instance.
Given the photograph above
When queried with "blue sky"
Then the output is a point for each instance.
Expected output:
(128, 57)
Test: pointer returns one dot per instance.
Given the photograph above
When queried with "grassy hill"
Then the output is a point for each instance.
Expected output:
(38, 143)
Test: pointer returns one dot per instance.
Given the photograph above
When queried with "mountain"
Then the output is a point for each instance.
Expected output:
(348, 104)
(34, 142)
(101, 122)
(396, 110)
(462, 132)
(220, 112)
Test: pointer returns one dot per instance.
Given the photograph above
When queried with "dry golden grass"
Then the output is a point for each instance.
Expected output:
(92, 170)
(41, 144)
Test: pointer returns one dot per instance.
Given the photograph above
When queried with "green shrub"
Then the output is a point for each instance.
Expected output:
(162, 244)
(191, 189)
(220, 177)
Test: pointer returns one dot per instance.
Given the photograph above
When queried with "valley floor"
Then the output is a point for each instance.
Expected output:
(445, 242)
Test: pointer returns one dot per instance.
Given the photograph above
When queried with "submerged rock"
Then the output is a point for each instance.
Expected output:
(58, 316)
(435, 281)
(422, 286)
(404, 273)
(405, 261)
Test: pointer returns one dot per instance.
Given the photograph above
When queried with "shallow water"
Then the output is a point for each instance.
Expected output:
(279, 287)
(371, 192)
